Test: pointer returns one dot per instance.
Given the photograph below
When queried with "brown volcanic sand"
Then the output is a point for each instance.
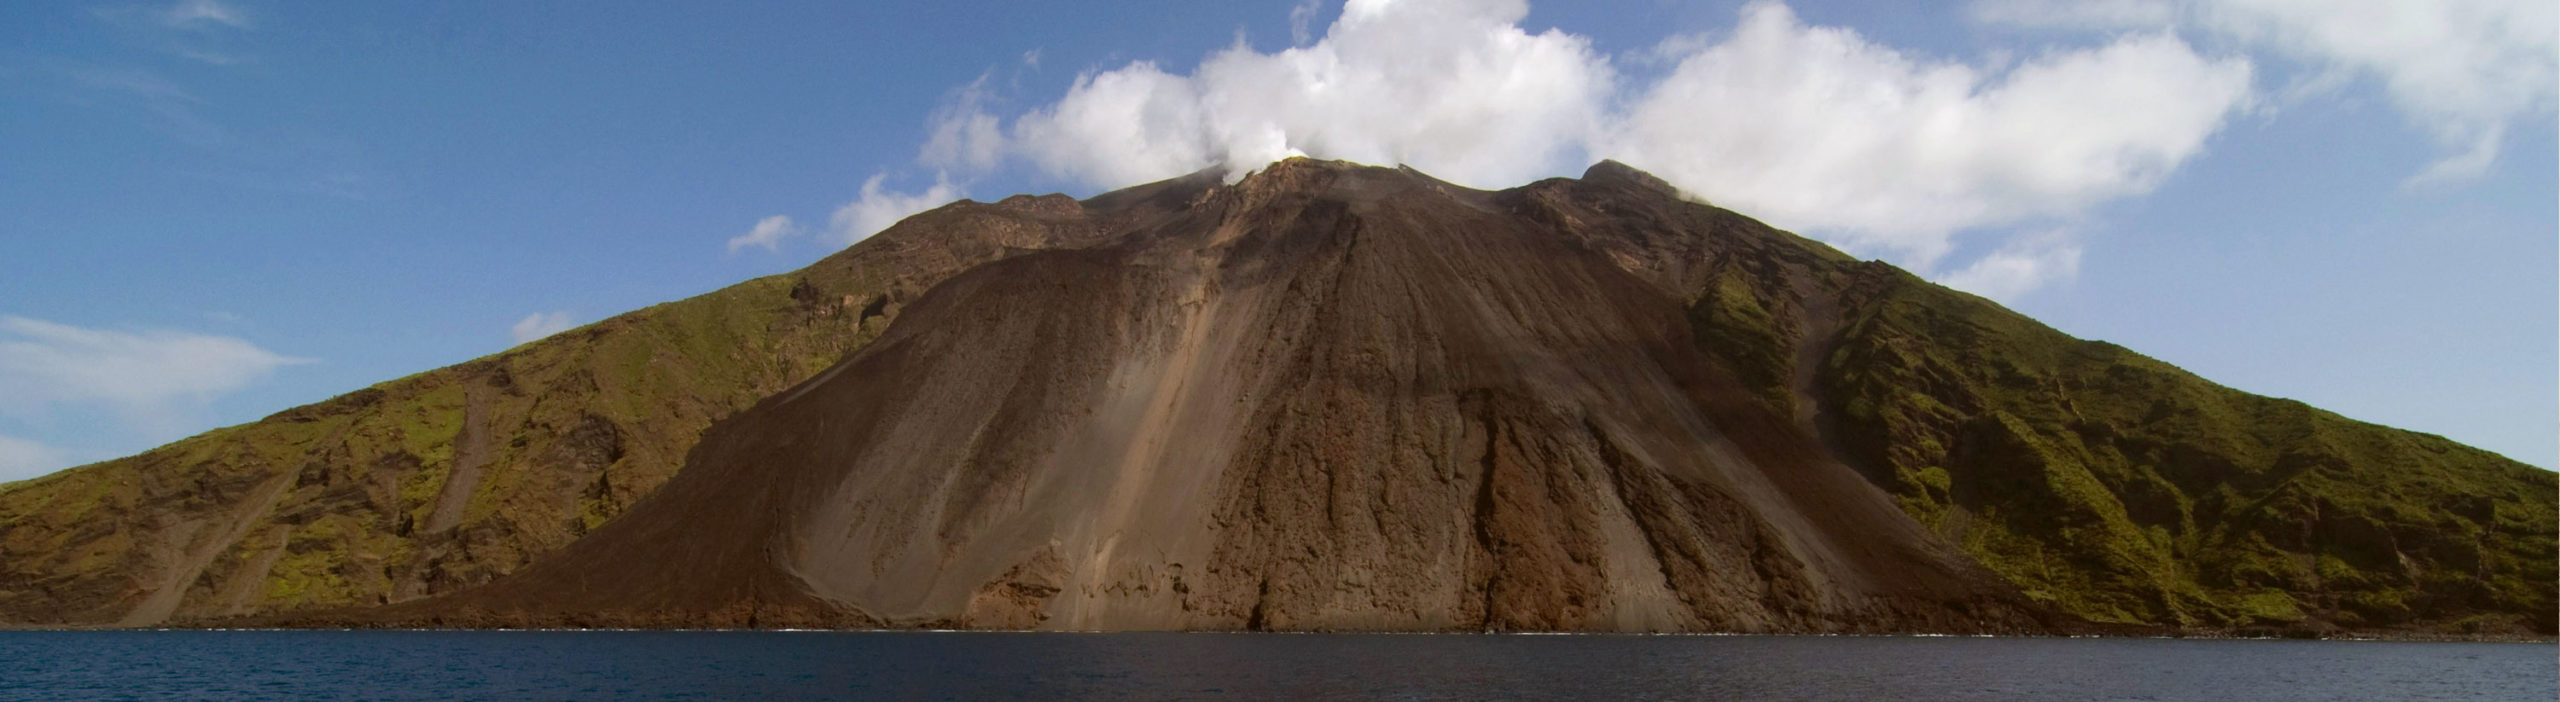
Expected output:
(1327, 397)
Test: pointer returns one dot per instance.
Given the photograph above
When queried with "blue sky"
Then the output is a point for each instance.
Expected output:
(211, 210)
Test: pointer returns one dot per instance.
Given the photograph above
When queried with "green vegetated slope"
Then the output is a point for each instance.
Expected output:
(451, 477)
(2105, 483)
(2124, 489)
(412, 486)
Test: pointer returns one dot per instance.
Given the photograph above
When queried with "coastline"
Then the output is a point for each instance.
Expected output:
(2124, 632)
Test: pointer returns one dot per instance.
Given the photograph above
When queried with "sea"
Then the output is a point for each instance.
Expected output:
(709, 665)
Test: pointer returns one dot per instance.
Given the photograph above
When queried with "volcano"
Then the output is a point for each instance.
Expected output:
(1327, 397)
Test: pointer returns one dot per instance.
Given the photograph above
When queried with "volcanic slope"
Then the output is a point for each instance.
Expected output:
(1328, 396)
(447, 479)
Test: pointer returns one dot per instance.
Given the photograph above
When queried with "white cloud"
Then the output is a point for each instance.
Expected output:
(1810, 127)
(539, 325)
(156, 379)
(965, 138)
(1456, 89)
(2464, 71)
(964, 141)
(2083, 14)
(2019, 266)
(878, 208)
(198, 13)
(1302, 20)
(1814, 128)
(1122, 127)
(189, 29)
(1820, 129)
(768, 233)
(22, 458)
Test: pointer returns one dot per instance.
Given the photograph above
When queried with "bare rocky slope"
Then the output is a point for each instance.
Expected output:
(1326, 397)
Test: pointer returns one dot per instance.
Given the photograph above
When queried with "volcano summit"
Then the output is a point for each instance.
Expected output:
(1326, 397)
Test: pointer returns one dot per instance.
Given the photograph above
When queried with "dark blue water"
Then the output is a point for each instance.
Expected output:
(787, 665)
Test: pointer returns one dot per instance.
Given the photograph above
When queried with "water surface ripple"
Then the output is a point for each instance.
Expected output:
(333, 665)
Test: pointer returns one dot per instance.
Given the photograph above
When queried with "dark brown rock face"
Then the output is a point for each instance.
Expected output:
(1326, 397)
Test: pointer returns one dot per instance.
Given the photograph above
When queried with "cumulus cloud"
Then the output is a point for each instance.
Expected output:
(879, 207)
(1120, 127)
(1820, 129)
(965, 139)
(155, 378)
(1302, 18)
(1457, 89)
(768, 233)
(539, 325)
(1813, 128)
(2464, 71)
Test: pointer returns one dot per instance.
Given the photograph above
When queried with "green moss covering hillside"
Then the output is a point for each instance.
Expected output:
(2109, 485)
(2123, 489)
(451, 477)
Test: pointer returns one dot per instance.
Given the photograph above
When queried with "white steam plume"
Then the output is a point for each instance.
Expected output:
(1814, 128)
(1456, 89)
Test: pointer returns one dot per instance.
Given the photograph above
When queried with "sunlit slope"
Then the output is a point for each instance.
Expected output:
(2105, 483)
(2124, 489)
(1327, 397)
(2097, 482)
(448, 478)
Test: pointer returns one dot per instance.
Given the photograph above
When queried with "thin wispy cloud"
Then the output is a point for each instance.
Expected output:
(203, 31)
(1302, 19)
(198, 111)
(147, 97)
(197, 14)
(25, 458)
(767, 234)
(202, 54)
(965, 142)
(142, 84)
(540, 324)
(181, 15)
(2020, 266)
(160, 381)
